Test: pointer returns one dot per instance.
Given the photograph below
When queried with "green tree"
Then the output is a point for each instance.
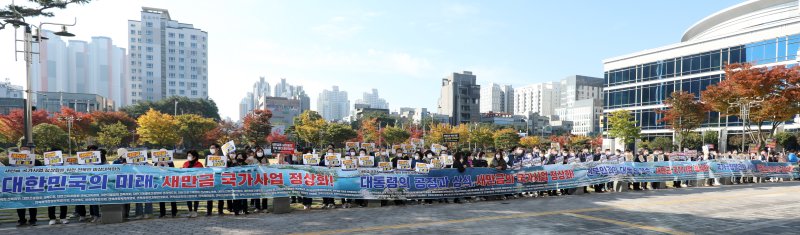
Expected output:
(684, 114)
(112, 135)
(337, 133)
(193, 129)
(693, 141)
(308, 127)
(662, 143)
(711, 137)
(481, 135)
(622, 125)
(530, 141)
(579, 142)
(257, 126)
(787, 140)
(506, 138)
(395, 135)
(204, 107)
(19, 13)
(158, 129)
(48, 136)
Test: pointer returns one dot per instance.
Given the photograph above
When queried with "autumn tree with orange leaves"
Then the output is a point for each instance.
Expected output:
(684, 114)
(771, 91)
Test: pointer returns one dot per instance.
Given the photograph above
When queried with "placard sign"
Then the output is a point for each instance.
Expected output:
(136, 157)
(283, 147)
(21, 159)
(53, 158)
(370, 147)
(333, 159)
(351, 145)
(216, 161)
(366, 161)
(422, 168)
(404, 165)
(162, 155)
(385, 166)
(450, 138)
(310, 159)
(348, 164)
(88, 158)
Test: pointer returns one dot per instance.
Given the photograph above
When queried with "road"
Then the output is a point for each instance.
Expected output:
(767, 208)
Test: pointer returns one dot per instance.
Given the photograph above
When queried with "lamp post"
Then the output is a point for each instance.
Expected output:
(69, 120)
(27, 50)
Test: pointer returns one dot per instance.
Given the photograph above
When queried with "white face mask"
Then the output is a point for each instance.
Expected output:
(505, 158)
(416, 157)
(260, 154)
(190, 158)
(352, 153)
(25, 151)
(213, 151)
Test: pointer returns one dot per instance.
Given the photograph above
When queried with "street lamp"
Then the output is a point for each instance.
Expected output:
(28, 52)
(69, 120)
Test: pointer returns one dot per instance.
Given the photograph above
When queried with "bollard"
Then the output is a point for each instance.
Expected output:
(373, 203)
(112, 213)
(281, 205)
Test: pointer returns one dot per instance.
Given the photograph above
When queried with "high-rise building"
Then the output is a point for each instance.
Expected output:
(497, 98)
(246, 105)
(333, 104)
(260, 98)
(284, 110)
(542, 98)
(8, 90)
(581, 103)
(460, 98)
(373, 100)
(283, 89)
(167, 58)
(97, 67)
(763, 32)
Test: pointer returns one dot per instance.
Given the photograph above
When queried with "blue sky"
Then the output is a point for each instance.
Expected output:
(402, 48)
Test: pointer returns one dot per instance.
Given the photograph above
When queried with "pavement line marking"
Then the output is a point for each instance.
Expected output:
(446, 222)
(627, 224)
(697, 198)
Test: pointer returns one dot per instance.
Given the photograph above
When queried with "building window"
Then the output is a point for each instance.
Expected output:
(180, 44)
(171, 91)
(171, 83)
(133, 31)
(149, 74)
(149, 57)
(171, 43)
(181, 92)
(194, 76)
(172, 75)
(194, 92)
(150, 41)
(194, 37)
(149, 24)
(171, 35)
(172, 67)
(149, 49)
(181, 84)
(180, 36)
(149, 65)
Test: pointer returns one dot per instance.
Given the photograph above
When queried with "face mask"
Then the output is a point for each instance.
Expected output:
(430, 155)
(260, 154)
(190, 158)
(352, 153)
(416, 157)
(213, 151)
(505, 159)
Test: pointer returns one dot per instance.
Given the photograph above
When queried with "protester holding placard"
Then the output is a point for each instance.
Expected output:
(25, 159)
(218, 160)
(239, 206)
(192, 161)
(260, 158)
(55, 158)
(498, 162)
(162, 161)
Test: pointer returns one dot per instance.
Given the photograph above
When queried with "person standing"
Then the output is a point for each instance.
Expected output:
(33, 210)
(262, 160)
(192, 161)
(162, 206)
(215, 150)
(51, 211)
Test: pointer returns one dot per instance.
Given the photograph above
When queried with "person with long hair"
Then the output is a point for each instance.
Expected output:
(192, 161)
(215, 150)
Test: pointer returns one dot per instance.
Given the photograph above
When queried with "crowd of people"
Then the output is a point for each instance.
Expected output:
(461, 160)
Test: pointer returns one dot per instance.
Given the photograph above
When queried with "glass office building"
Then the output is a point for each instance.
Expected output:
(762, 32)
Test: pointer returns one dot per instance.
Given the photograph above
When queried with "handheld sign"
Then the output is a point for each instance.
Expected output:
(216, 161)
(450, 138)
(88, 158)
(351, 145)
(348, 164)
(418, 143)
(53, 158)
(559, 159)
(136, 157)
(385, 166)
(228, 148)
(397, 146)
(436, 164)
(436, 148)
(310, 159)
(333, 159)
(537, 161)
(283, 148)
(162, 155)
(367, 161)
(423, 168)
(447, 160)
(370, 147)
(404, 165)
(408, 147)
(21, 159)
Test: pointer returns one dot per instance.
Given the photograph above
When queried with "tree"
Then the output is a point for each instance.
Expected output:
(337, 133)
(506, 138)
(530, 141)
(276, 137)
(683, 114)
(662, 143)
(711, 137)
(309, 126)
(111, 136)
(787, 140)
(158, 129)
(204, 107)
(20, 13)
(463, 133)
(436, 133)
(48, 136)
(193, 129)
(622, 125)
(770, 92)
(257, 127)
(395, 135)
(81, 126)
(12, 125)
(693, 141)
(225, 131)
(368, 133)
(101, 118)
(579, 142)
(481, 135)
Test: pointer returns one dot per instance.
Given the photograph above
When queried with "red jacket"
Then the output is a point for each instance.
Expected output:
(197, 164)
